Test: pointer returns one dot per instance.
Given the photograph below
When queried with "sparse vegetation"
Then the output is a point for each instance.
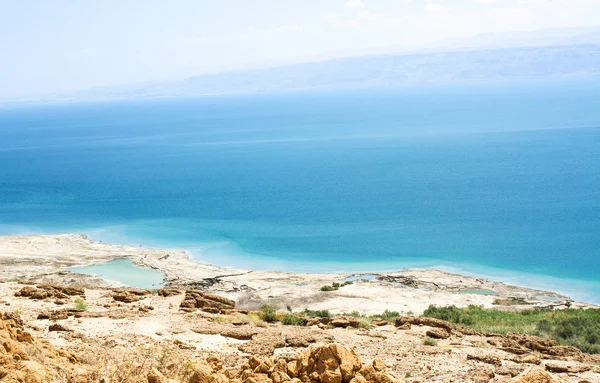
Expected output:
(328, 288)
(80, 304)
(269, 313)
(292, 320)
(335, 286)
(428, 341)
(389, 315)
(512, 301)
(317, 313)
(572, 327)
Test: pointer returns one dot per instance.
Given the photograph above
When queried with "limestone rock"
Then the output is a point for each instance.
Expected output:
(168, 292)
(485, 359)
(535, 375)
(345, 321)
(438, 333)
(199, 300)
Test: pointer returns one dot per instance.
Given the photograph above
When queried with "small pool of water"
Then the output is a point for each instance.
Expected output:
(363, 277)
(548, 298)
(479, 292)
(123, 271)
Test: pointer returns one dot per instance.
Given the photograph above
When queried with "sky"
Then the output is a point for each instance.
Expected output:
(49, 47)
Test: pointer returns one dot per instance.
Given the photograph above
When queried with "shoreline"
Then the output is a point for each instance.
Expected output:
(49, 257)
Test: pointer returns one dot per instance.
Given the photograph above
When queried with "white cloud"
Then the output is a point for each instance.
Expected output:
(433, 7)
(354, 4)
(487, 1)
(287, 28)
(370, 16)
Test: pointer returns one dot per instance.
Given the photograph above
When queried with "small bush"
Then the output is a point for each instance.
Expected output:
(289, 319)
(389, 315)
(364, 322)
(328, 288)
(317, 313)
(429, 341)
(269, 313)
(80, 304)
(347, 283)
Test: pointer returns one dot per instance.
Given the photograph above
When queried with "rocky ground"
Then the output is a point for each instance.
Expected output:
(53, 333)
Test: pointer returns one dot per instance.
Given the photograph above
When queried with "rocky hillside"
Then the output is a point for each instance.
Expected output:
(61, 334)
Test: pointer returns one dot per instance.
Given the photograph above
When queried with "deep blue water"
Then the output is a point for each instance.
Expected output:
(500, 179)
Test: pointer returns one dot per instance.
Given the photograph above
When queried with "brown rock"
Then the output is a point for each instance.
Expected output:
(530, 342)
(485, 359)
(512, 371)
(567, 368)
(126, 297)
(527, 358)
(438, 333)
(345, 321)
(202, 374)
(424, 321)
(480, 375)
(199, 300)
(168, 292)
(58, 327)
(156, 377)
(239, 333)
(535, 375)
(379, 322)
(24, 337)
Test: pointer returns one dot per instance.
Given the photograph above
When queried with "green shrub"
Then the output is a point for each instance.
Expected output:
(364, 322)
(80, 304)
(429, 341)
(290, 319)
(269, 313)
(389, 315)
(328, 288)
(317, 313)
(572, 327)
(347, 283)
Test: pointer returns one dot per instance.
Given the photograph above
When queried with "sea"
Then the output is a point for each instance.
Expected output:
(494, 179)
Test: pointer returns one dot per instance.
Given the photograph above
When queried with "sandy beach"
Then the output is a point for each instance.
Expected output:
(49, 257)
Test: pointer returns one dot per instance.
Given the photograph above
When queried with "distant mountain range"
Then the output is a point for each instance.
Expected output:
(494, 56)
(376, 71)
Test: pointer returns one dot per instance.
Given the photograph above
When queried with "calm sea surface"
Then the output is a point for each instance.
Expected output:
(498, 179)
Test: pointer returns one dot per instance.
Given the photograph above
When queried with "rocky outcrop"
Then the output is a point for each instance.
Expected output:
(424, 321)
(332, 363)
(130, 295)
(438, 333)
(48, 290)
(16, 363)
(345, 321)
(485, 359)
(536, 375)
(168, 292)
(206, 302)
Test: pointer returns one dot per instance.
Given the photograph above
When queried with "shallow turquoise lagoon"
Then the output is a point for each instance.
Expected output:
(125, 272)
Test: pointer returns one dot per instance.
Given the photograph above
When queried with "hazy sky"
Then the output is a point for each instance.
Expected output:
(61, 45)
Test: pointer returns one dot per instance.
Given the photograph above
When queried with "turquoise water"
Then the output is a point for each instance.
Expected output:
(496, 179)
(479, 292)
(123, 271)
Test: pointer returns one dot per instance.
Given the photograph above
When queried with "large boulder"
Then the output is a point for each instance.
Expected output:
(206, 302)
(50, 290)
(536, 375)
